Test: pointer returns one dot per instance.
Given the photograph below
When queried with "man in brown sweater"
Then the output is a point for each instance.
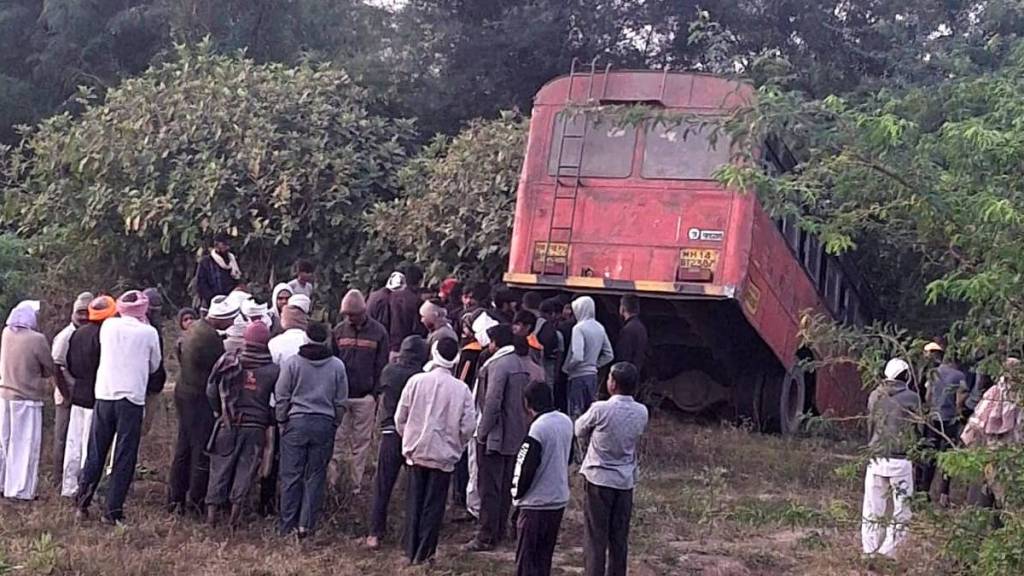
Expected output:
(25, 369)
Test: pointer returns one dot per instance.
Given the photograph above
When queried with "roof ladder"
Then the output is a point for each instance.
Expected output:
(574, 168)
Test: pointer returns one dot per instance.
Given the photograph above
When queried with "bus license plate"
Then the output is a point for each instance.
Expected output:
(702, 258)
(556, 251)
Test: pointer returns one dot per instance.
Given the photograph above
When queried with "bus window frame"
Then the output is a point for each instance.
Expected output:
(558, 125)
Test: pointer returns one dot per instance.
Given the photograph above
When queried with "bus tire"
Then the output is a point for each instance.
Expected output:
(792, 401)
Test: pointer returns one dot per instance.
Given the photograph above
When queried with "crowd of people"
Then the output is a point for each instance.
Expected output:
(909, 424)
(486, 399)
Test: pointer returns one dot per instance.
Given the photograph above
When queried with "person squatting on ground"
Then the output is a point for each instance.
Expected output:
(362, 344)
(64, 381)
(893, 413)
(589, 350)
(129, 354)
(611, 429)
(25, 369)
(239, 392)
(503, 425)
(435, 418)
(311, 393)
(83, 360)
(540, 483)
(411, 357)
(201, 347)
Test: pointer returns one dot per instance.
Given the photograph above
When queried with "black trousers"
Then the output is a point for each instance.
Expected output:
(460, 480)
(190, 468)
(494, 481)
(936, 434)
(538, 534)
(607, 513)
(122, 419)
(234, 463)
(425, 503)
(268, 485)
(389, 464)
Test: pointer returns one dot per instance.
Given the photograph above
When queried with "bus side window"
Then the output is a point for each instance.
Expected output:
(822, 278)
(843, 302)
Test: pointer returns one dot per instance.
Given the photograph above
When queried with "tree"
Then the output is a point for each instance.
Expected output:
(457, 202)
(926, 176)
(286, 160)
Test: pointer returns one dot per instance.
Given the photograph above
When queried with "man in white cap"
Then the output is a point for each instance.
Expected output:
(201, 347)
(893, 414)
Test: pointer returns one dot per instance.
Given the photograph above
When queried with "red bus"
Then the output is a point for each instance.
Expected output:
(605, 209)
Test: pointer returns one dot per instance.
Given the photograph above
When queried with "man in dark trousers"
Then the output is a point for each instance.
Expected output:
(411, 358)
(611, 429)
(540, 485)
(201, 347)
(435, 419)
(503, 425)
(218, 271)
(239, 391)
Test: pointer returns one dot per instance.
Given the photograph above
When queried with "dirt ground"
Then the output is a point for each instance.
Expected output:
(712, 500)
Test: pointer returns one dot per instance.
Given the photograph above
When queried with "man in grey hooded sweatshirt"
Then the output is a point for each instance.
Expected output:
(590, 350)
(894, 411)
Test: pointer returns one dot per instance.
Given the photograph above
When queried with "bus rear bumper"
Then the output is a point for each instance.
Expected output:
(599, 284)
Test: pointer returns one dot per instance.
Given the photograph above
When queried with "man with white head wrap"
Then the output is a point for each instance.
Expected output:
(200, 349)
(435, 418)
(25, 369)
(893, 412)
(396, 307)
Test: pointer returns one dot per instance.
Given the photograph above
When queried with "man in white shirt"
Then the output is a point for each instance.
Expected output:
(304, 281)
(64, 381)
(129, 353)
(294, 320)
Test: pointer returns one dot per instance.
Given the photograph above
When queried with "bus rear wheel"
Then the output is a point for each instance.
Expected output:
(783, 400)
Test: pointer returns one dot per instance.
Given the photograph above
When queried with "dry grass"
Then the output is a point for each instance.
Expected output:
(715, 501)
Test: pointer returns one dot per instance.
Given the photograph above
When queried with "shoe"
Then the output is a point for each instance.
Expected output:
(303, 533)
(372, 543)
(115, 522)
(475, 545)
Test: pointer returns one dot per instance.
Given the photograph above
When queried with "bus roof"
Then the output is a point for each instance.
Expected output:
(690, 90)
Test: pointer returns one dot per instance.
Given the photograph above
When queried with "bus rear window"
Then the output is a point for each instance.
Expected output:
(682, 153)
(607, 148)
